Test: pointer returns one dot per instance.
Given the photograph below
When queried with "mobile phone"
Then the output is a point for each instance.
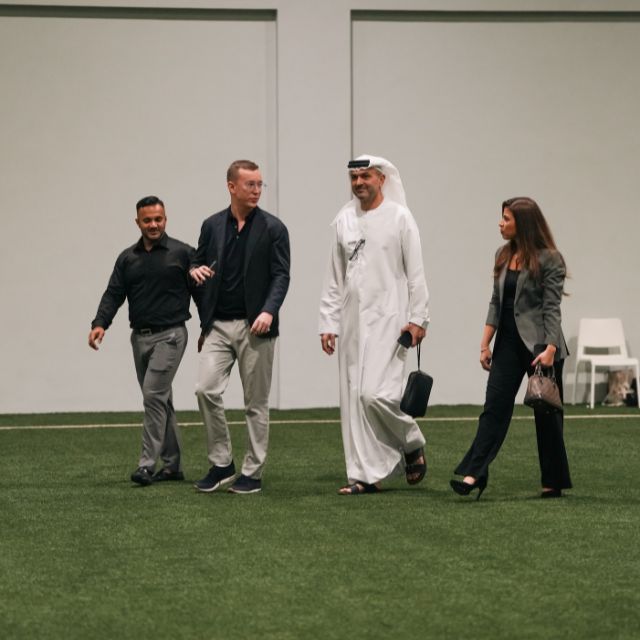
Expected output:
(405, 339)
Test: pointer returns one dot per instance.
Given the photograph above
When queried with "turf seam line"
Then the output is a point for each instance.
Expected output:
(275, 422)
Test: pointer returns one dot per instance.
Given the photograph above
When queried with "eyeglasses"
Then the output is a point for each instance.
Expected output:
(252, 186)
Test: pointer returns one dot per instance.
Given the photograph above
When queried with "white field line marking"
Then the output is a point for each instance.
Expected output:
(595, 416)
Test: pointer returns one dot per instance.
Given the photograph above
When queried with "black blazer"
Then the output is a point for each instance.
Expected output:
(266, 266)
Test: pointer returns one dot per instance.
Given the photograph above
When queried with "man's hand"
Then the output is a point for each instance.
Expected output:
(262, 324)
(201, 273)
(328, 342)
(95, 337)
(416, 331)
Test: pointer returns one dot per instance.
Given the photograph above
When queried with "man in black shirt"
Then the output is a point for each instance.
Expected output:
(153, 275)
(242, 263)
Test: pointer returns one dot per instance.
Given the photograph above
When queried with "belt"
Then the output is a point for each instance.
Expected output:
(147, 331)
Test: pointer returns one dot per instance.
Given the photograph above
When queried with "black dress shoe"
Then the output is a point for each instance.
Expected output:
(142, 476)
(167, 474)
(552, 493)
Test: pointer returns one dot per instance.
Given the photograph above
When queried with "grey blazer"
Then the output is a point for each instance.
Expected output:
(536, 305)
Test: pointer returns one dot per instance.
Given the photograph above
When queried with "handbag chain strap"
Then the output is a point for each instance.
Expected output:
(418, 350)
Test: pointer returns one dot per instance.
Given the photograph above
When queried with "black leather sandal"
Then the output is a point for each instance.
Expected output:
(415, 468)
(358, 488)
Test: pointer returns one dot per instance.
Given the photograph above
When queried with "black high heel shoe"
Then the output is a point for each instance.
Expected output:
(464, 488)
(551, 493)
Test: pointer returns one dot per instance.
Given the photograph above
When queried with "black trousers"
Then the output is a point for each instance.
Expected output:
(511, 360)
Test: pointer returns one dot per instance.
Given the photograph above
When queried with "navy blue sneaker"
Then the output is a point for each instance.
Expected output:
(142, 475)
(216, 477)
(244, 484)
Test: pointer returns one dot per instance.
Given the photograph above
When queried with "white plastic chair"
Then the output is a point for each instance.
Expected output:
(601, 344)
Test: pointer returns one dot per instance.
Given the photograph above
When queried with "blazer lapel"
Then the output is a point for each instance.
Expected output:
(522, 276)
(501, 277)
(220, 232)
(258, 227)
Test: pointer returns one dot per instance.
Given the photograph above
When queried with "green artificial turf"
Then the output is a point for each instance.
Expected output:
(85, 554)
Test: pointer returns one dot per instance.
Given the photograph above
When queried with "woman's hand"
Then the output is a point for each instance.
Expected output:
(485, 358)
(485, 352)
(546, 357)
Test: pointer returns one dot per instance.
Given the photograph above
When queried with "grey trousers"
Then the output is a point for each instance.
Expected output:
(157, 358)
(228, 341)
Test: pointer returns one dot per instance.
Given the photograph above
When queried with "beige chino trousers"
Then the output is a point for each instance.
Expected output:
(228, 341)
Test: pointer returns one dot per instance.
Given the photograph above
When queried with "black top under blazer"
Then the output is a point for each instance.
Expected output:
(537, 303)
(266, 266)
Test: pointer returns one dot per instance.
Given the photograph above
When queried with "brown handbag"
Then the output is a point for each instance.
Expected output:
(542, 391)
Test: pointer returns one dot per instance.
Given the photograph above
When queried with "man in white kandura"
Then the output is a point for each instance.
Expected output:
(374, 291)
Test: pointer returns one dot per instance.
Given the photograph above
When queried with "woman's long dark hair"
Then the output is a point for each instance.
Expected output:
(532, 236)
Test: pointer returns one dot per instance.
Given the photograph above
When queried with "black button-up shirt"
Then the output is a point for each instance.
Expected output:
(156, 284)
(231, 300)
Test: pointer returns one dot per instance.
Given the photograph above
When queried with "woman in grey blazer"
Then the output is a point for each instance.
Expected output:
(524, 315)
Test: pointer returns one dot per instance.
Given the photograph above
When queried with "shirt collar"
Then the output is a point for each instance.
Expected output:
(249, 218)
(161, 244)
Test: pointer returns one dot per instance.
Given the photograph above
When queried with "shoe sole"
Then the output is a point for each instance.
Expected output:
(417, 480)
(170, 479)
(242, 491)
(142, 482)
(216, 486)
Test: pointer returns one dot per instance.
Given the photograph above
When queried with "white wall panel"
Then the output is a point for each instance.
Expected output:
(96, 113)
(475, 111)
(99, 110)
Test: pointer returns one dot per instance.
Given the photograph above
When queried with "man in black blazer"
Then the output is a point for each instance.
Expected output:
(242, 260)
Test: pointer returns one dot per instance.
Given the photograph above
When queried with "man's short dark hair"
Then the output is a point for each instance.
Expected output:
(148, 201)
(234, 168)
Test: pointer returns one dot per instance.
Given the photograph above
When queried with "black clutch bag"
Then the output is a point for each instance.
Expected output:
(416, 393)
